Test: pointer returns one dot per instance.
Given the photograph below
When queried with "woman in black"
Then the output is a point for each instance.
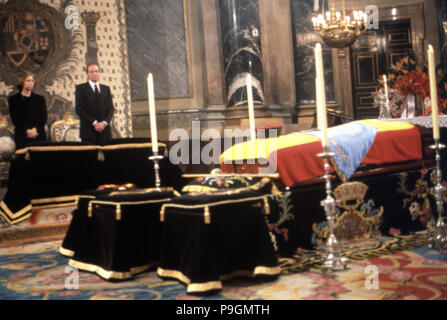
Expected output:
(28, 113)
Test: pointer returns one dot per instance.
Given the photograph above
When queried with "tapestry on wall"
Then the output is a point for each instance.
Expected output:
(34, 39)
(55, 40)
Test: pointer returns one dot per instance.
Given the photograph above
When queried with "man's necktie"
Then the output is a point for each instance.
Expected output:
(96, 93)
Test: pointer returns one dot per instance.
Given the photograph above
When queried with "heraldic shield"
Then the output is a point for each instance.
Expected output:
(33, 38)
(25, 36)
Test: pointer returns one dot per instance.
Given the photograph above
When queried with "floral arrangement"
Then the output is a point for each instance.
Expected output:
(407, 77)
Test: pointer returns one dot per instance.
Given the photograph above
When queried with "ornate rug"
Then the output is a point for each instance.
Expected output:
(43, 225)
(358, 249)
(38, 271)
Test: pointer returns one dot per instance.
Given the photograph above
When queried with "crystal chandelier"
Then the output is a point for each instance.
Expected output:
(337, 29)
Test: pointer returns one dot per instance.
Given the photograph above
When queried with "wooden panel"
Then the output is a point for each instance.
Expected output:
(363, 99)
(397, 37)
(367, 40)
(398, 54)
(366, 70)
(371, 56)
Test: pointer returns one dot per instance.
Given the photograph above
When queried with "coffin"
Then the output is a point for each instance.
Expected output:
(389, 191)
(396, 146)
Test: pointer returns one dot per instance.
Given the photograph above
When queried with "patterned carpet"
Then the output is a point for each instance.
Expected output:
(43, 225)
(38, 271)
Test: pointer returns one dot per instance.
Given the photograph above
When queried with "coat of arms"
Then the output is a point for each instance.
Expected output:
(25, 39)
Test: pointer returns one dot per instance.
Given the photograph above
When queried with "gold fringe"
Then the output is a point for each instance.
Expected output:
(176, 193)
(118, 212)
(129, 203)
(90, 210)
(173, 274)
(259, 270)
(66, 252)
(27, 157)
(203, 287)
(217, 284)
(71, 199)
(217, 203)
(13, 218)
(266, 206)
(110, 274)
(101, 156)
(207, 216)
(162, 213)
(145, 190)
(87, 148)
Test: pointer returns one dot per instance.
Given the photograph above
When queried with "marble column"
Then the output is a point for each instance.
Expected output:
(241, 43)
(90, 19)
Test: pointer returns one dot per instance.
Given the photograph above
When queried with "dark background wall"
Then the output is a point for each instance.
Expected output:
(157, 43)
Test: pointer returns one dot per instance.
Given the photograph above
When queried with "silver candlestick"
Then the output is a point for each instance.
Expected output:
(334, 259)
(156, 158)
(384, 105)
(438, 231)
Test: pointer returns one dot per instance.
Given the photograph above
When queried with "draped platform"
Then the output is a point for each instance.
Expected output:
(52, 174)
(116, 233)
(392, 203)
(390, 191)
(208, 238)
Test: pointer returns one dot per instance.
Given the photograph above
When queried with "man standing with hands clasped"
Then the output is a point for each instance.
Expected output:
(94, 107)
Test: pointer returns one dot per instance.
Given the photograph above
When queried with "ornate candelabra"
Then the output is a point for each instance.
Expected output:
(334, 259)
(438, 230)
(384, 106)
(337, 29)
(156, 158)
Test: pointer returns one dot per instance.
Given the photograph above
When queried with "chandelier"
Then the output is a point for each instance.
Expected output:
(337, 29)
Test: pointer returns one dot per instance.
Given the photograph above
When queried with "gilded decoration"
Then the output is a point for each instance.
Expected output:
(355, 217)
(276, 221)
(417, 199)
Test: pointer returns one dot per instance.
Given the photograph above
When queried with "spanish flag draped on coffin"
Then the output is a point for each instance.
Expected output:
(294, 156)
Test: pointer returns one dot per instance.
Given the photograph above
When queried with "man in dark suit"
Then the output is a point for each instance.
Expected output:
(94, 107)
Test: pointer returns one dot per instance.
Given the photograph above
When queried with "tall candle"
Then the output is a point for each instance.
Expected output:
(317, 98)
(152, 117)
(433, 92)
(251, 113)
(321, 94)
(385, 85)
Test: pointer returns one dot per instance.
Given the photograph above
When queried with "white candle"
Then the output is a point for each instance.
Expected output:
(321, 95)
(318, 98)
(152, 117)
(251, 114)
(338, 16)
(433, 92)
(385, 85)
